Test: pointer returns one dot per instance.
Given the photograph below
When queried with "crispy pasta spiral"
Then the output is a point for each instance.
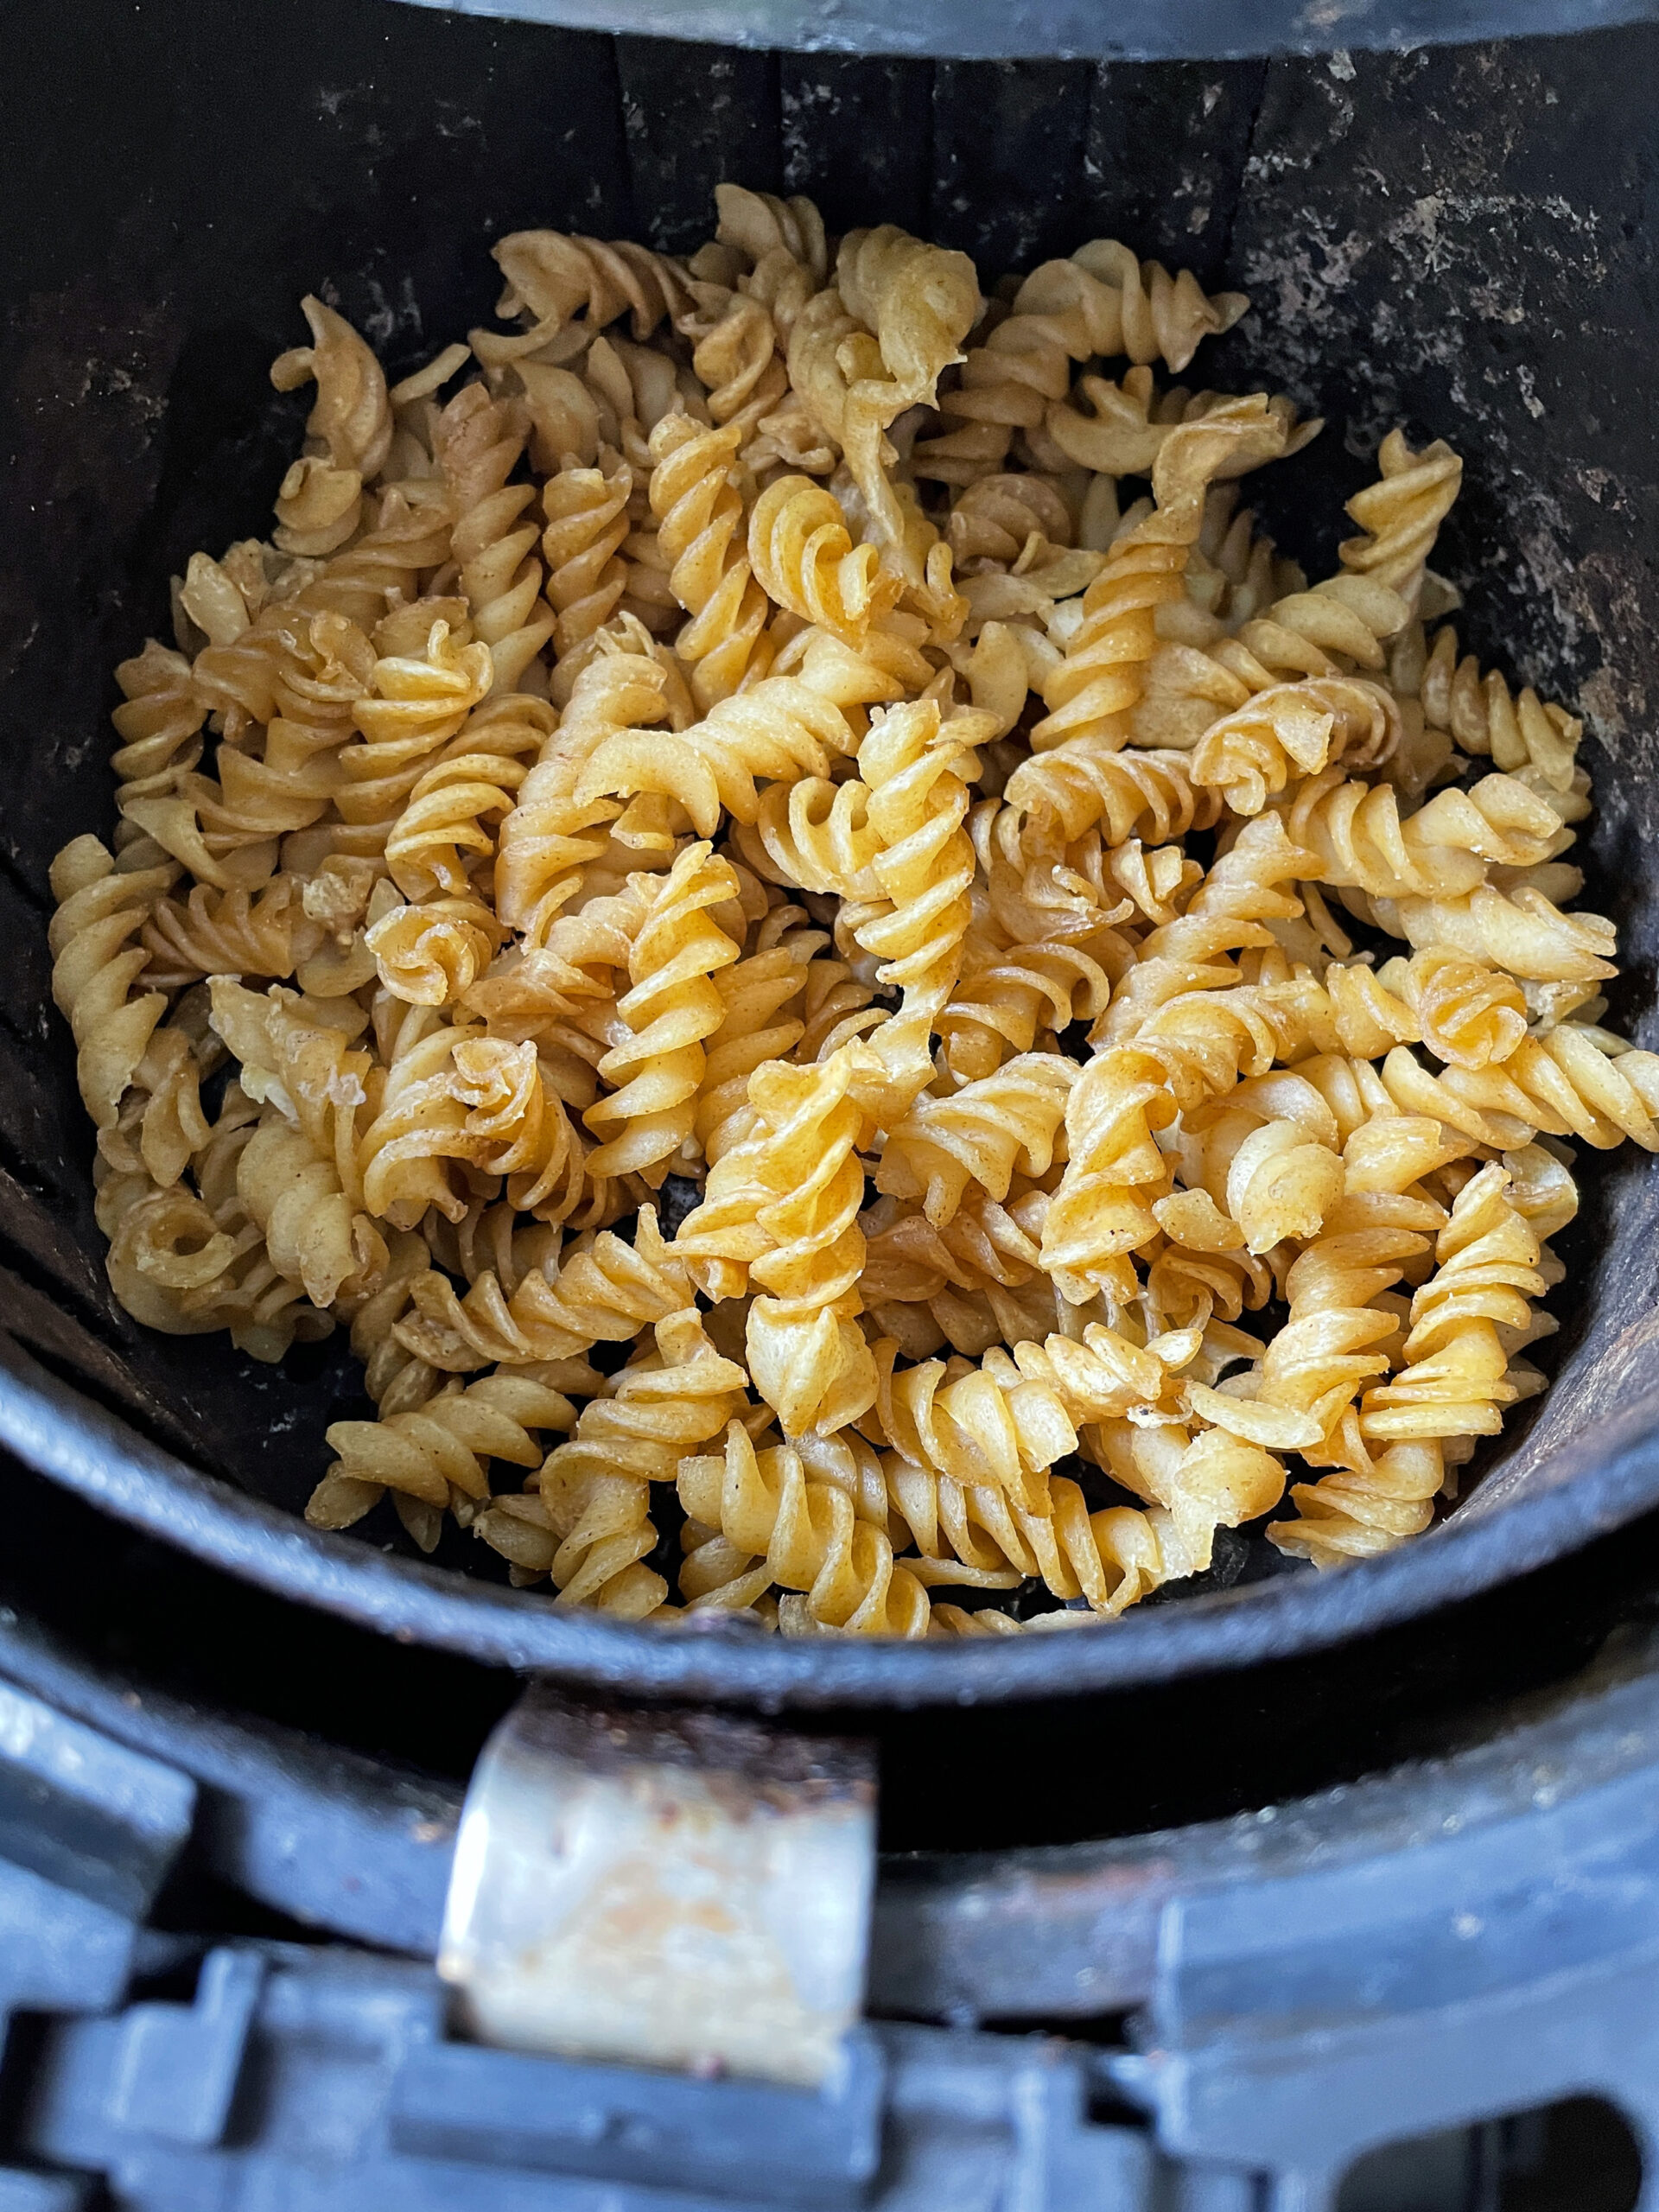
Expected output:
(552, 280)
(95, 965)
(1487, 718)
(778, 729)
(1103, 670)
(158, 721)
(981, 1134)
(478, 442)
(1102, 301)
(772, 1518)
(1444, 849)
(700, 518)
(601, 1291)
(595, 1489)
(440, 1448)
(804, 559)
(1294, 729)
(657, 1066)
(587, 524)
(913, 768)
(1401, 515)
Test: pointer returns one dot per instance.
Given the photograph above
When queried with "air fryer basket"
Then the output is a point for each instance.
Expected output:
(1459, 239)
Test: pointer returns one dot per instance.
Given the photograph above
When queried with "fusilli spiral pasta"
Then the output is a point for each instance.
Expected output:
(748, 753)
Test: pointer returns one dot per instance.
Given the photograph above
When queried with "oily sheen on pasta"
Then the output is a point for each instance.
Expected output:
(869, 1010)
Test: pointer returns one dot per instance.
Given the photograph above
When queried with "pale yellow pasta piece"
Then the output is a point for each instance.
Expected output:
(264, 1310)
(985, 1245)
(702, 530)
(169, 1259)
(737, 357)
(799, 1172)
(353, 415)
(596, 1490)
(1119, 428)
(1241, 896)
(915, 769)
(96, 965)
(161, 1125)
(158, 721)
(1402, 514)
(554, 281)
(1209, 664)
(1454, 1383)
(873, 344)
(1104, 672)
(231, 933)
(1444, 849)
(778, 727)
(755, 1027)
(813, 835)
(1087, 780)
(657, 1064)
(1522, 930)
(477, 443)
(432, 953)
(549, 837)
(439, 1450)
(415, 703)
(1102, 301)
(302, 681)
(952, 1418)
(775, 1519)
(1294, 730)
(995, 517)
(587, 524)
(313, 1234)
(600, 1290)
(1574, 1081)
(803, 556)
(1008, 993)
(980, 1135)
(1337, 1336)
(1487, 718)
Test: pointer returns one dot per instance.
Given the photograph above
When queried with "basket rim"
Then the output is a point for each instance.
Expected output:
(64, 1436)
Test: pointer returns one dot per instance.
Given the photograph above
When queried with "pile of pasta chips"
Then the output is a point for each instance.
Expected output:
(806, 930)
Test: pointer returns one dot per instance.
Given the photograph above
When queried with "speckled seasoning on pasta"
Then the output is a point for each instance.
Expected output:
(786, 948)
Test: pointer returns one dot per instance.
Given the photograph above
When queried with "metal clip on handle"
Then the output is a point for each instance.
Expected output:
(665, 1888)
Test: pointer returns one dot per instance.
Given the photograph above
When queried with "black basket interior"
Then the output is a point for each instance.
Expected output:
(1462, 240)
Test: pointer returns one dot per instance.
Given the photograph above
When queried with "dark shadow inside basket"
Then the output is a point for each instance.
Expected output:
(1458, 240)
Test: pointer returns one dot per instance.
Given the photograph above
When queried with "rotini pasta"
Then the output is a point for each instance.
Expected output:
(552, 281)
(915, 769)
(803, 558)
(771, 1522)
(778, 729)
(873, 343)
(1100, 677)
(595, 1489)
(657, 1066)
(477, 443)
(1443, 851)
(1401, 515)
(1485, 717)
(1294, 729)
(95, 965)
(981, 1134)
(731, 842)
(702, 532)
